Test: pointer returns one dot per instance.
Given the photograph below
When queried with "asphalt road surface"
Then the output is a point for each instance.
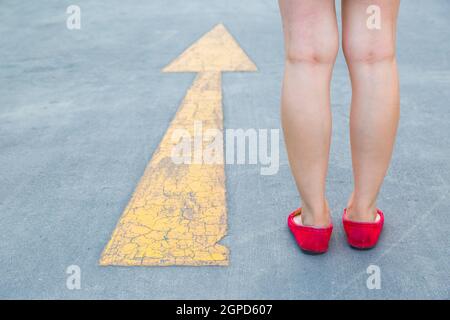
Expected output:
(82, 111)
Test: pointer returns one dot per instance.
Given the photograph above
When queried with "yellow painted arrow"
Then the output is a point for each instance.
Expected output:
(178, 213)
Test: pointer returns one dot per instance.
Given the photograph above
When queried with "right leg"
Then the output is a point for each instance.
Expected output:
(375, 108)
(311, 44)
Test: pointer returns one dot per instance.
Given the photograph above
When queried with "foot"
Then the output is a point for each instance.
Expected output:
(361, 213)
(311, 218)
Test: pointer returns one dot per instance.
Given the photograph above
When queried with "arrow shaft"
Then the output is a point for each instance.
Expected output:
(177, 213)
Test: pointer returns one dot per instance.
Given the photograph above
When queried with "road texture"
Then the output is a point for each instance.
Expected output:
(82, 111)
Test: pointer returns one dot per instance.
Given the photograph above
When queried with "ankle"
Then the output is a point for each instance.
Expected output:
(317, 216)
(361, 212)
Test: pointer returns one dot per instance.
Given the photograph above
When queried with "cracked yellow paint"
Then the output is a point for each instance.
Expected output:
(177, 213)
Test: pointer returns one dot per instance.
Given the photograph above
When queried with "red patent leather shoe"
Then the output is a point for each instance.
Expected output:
(363, 235)
(310, 239)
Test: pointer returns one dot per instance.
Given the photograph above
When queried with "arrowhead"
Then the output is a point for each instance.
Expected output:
(215, 51)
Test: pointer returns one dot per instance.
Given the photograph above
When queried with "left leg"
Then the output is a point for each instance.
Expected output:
(370, 55)
(311, 45)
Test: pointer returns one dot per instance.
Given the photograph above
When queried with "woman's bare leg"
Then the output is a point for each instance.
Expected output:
(370, 55)
(311, 45)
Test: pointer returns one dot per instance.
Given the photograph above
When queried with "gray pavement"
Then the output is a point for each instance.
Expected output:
(82, 111)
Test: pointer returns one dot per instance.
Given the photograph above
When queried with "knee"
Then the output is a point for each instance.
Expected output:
(369, 52)
(312, 50)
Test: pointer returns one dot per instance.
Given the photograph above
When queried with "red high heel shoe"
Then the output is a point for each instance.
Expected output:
(363, 235)
(310, 239)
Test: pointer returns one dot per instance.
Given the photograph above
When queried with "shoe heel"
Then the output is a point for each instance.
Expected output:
(363, 235)
(312, 240)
